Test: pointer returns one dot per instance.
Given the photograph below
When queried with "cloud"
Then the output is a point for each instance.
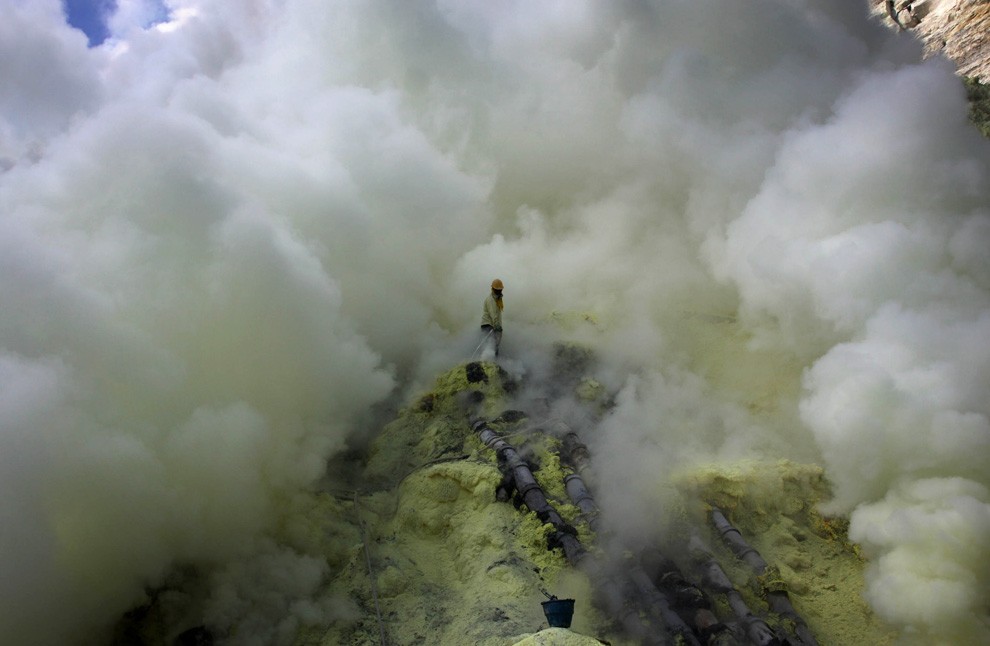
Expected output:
(49, 75)
(928, 538)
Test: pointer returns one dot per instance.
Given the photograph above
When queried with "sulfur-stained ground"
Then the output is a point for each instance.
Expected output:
(450, 564)
(415, 548)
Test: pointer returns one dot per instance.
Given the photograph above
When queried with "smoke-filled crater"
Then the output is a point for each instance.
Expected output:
(245, 394)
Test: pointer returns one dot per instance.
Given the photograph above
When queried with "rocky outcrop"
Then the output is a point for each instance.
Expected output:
(957, 29)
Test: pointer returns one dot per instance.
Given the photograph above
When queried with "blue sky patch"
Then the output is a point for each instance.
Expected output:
(91, 16)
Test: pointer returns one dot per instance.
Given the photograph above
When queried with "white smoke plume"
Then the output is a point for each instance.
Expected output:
(223, 237)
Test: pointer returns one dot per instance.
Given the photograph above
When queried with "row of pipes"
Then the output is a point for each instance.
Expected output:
(521, 477)
(681, 610)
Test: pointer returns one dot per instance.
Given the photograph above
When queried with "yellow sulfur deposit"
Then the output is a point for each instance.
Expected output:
(418, 549)
(415, 548)
(557, 637)
(773, 505)
(449, 564)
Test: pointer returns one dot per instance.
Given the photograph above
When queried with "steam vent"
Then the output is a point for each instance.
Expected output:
(477, 503)
(494, 323)
(474, 510)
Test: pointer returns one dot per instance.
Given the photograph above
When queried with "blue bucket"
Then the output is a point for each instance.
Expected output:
(559, 612)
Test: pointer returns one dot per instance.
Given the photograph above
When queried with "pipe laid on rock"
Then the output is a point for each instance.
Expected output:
(688, 600)
(713, 576)
(733, 538)
(614, 597)
(778, 600)
(531, 493)
(612, 592)
(579, 495)
(575, 452)
(652, 599)
(660, 605)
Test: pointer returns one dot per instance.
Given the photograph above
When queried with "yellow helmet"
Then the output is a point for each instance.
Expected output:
(497, 284)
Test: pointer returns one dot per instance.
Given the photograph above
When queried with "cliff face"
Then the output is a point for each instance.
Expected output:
(958, 29)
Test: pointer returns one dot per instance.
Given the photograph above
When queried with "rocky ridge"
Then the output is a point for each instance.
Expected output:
(957, 29)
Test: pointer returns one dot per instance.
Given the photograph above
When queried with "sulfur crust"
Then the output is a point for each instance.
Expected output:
(451, 564)
(773, 505)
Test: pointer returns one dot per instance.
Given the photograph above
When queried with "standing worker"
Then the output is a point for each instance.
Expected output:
(491, 315)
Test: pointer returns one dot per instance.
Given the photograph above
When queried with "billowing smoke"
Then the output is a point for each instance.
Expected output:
(225, 236)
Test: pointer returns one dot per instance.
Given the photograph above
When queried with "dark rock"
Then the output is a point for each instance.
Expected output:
(426, 403)
(510, 416)
(198, 636)
(475, 373)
